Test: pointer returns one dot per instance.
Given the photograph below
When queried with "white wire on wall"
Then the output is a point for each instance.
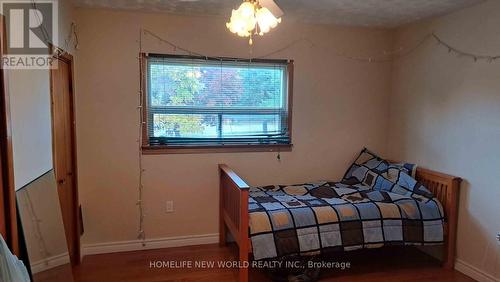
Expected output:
(71, 37)
(141, 233)
(42, 246)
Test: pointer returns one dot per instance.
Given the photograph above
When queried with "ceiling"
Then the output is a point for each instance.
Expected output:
(376, 13)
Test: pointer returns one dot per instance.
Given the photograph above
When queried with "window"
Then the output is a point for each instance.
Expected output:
(195, 102)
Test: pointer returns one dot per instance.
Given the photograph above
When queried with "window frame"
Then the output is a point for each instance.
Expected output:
(149, 149)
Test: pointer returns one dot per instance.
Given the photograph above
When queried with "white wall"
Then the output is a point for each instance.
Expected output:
(31, 124)
(445, 114)
(339, 106)
(29, 92)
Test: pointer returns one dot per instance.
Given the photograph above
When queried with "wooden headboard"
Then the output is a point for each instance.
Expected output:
(446, 188)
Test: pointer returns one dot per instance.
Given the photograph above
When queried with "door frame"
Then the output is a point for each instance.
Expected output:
(60, 54)
(8, 213)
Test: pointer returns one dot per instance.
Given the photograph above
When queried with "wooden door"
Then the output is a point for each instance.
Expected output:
(64, 151)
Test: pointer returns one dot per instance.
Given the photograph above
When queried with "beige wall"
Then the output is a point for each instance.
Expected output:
(445, 114)
(339, 107)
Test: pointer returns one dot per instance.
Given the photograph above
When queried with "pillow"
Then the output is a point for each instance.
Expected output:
(395, 179)
(379, 174)
(369, 160)
(404, 177)
(409, 168)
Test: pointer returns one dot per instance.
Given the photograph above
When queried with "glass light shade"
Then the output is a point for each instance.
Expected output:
(244, 20)
(240, 25)
(266, 20)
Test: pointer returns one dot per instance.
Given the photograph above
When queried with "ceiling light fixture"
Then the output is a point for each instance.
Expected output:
(252, 18)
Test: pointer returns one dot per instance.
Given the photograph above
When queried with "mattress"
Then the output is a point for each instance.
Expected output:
(321, 217)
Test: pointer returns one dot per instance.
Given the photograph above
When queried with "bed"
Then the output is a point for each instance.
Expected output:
(313, 218)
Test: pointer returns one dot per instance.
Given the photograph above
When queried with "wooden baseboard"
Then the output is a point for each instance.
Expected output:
(156, 243)
(49, 263)
(474, 272)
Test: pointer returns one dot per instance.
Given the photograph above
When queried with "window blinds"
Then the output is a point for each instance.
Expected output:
(196, 101)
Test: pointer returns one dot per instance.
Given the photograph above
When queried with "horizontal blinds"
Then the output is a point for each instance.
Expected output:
(201, 101)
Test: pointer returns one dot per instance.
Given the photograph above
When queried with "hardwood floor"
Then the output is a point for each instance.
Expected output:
(388, 264)
(56, 274)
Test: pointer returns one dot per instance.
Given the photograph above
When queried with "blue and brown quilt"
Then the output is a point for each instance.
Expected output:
(376, 204)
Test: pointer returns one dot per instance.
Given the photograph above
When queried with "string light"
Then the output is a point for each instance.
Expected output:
(386, 56)
(141, 233)
(72, 33)
(463, 54)
(176, 47)
(42, 246)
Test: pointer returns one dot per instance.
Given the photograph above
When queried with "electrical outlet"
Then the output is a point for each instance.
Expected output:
(170, 206)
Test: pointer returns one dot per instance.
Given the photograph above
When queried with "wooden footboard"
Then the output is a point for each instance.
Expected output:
(233, 214)
(234, 210)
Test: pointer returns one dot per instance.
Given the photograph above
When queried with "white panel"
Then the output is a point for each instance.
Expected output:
(30, 108)
(16, 29)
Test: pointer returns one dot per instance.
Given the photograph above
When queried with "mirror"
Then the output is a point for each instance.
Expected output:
(42, 225)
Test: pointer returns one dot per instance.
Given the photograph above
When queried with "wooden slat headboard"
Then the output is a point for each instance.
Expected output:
(446, 188)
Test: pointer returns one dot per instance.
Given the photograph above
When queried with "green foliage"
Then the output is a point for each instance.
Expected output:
(209, 86)
(187, 85)
(181, 125)
(262, 88)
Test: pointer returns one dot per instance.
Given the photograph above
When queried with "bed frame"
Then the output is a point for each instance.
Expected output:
(233, 211)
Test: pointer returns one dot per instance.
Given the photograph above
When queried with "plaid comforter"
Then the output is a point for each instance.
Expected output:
(314, 218)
